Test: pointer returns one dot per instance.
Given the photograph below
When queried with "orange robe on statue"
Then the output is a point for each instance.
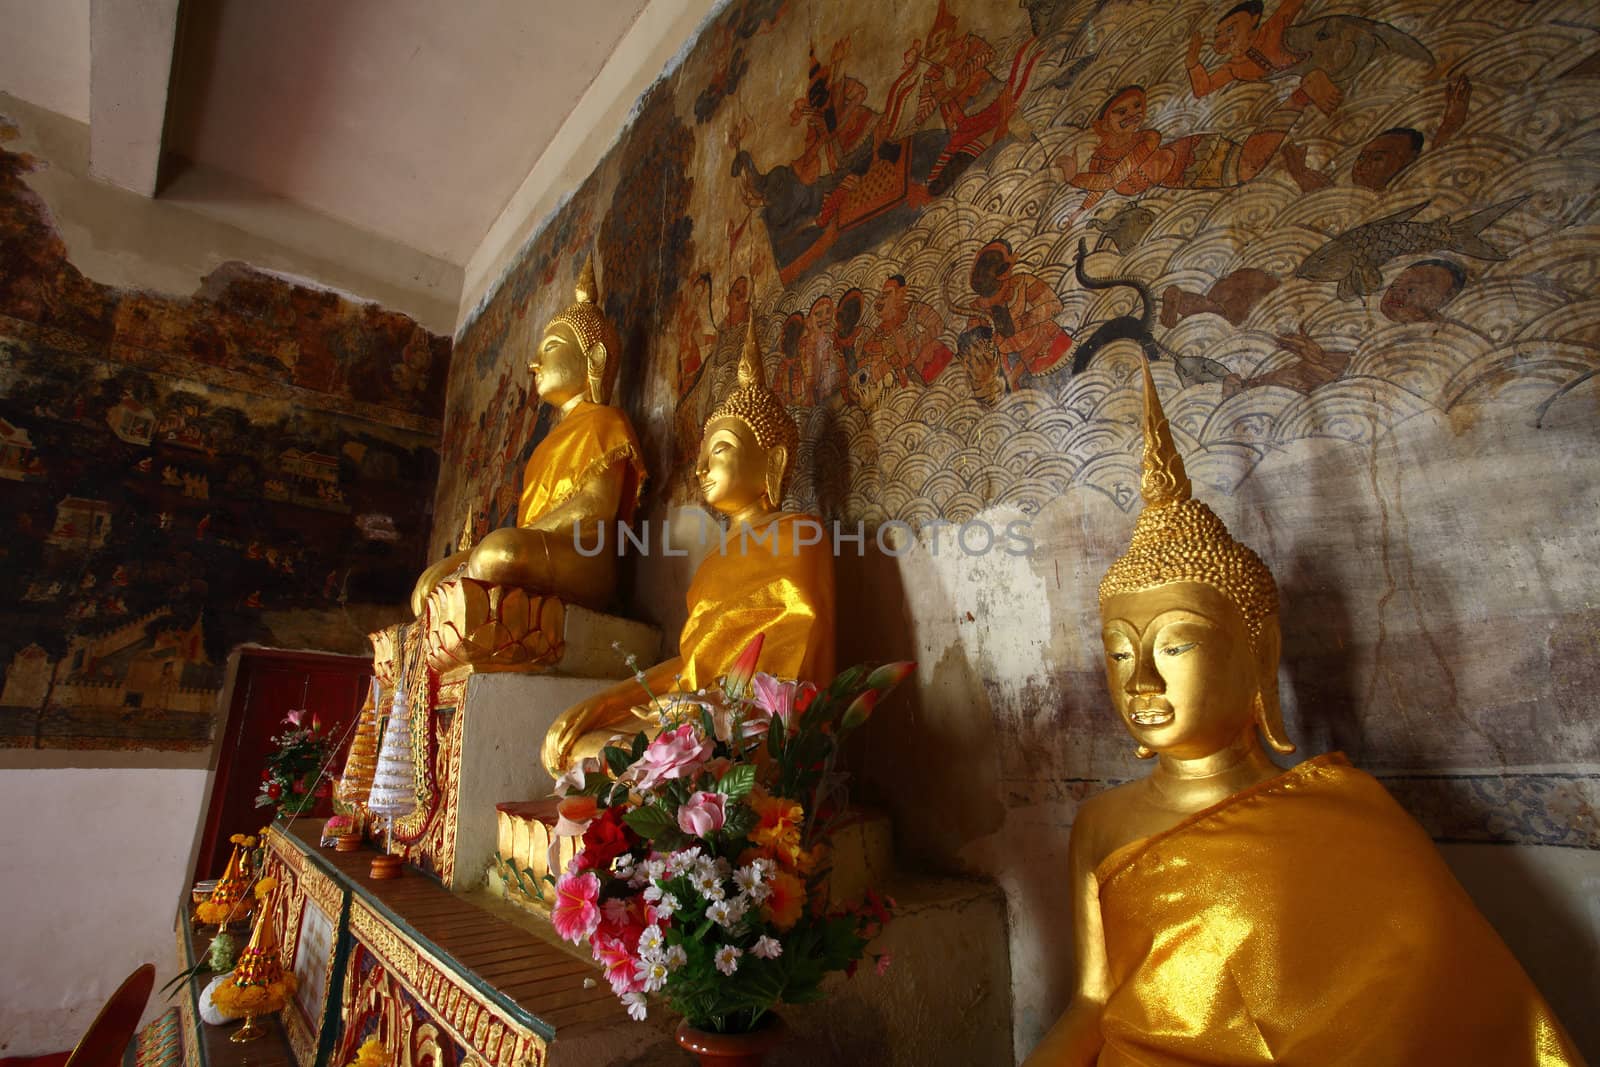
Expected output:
(1308, 920)
(588, 440)
(766, 586)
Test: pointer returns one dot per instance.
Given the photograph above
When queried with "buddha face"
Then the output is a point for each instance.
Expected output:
(1180, 668)
(558, 366)
(732, 468)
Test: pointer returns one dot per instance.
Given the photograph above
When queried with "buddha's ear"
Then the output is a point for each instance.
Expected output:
(597, 357)
(1269, 711)
(777, 464)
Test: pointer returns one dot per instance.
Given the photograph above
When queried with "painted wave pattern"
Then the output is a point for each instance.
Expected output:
(1524, 332)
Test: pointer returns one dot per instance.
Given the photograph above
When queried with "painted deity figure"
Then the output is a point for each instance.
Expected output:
(904, 344)
(1131, 158)
(1020, 309)
(772, 576)
(1227, 911)
(586, 472)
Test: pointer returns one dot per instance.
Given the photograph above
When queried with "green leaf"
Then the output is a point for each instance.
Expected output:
(640, 743)
(617, 760)
(650, 822)
(708, 724)
(740, 820)
(738, 780)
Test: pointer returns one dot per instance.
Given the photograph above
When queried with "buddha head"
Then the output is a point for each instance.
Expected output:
(749, 441)
(1189, 618)
(580, 351)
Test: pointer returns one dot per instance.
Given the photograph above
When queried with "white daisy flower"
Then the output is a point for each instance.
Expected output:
(623, 865)
(747, 878)
(650, 942)
(674, 957)
(766, 948)
(728, 959)
(652, 973)
(666, 906)
(637, 1005)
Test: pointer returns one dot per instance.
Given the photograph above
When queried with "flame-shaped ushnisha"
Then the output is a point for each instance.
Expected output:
(1179, 539)
(597, 338)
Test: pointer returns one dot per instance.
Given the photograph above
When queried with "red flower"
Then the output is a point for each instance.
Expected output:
(274, 790)
(266, 775)
(606, 838)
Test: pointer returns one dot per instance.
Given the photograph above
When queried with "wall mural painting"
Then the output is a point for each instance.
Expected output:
(1358, 235)
(180, 476)
(957, 223)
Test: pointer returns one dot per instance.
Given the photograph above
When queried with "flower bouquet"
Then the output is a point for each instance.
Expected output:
(296, 775)
(702, 872)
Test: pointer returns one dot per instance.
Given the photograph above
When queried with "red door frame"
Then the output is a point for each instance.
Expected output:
(211, 851)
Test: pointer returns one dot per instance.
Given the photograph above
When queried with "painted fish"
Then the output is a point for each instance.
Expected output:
(1356, 259)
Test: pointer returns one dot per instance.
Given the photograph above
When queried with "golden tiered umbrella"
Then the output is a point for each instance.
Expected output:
(355, 784)
(258, 985)
(223, 906)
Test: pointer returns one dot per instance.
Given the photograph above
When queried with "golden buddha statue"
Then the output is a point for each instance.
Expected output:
(1228, 911)
(585, 473)
(765, 578)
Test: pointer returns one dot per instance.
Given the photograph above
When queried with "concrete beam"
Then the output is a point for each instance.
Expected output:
(130, 68)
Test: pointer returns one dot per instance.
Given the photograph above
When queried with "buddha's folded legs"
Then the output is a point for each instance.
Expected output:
(543, 562)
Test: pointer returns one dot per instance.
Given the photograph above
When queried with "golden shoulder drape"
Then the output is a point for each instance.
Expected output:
(784, 591)
(1308, 921)
(589, 439)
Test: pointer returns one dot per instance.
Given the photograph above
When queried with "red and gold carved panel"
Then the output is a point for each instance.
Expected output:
(424, 1012)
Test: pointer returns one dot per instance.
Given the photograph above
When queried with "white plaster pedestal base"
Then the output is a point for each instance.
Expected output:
(504, 720)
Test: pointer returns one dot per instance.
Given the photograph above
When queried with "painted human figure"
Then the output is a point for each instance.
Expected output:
(1387, 154)
(1130, 158)
(1253, 50)
(1418, 292)
(904, 345)
(824, 368)
(1313, 365)
(1021, 309)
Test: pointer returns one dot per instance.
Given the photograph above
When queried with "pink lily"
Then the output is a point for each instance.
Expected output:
(737, 681)
(297, 717)
(778, 698)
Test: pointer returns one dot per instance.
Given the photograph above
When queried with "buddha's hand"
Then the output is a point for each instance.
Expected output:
(563, 735)
(431, 578)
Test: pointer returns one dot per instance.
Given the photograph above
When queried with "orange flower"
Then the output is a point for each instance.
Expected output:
(779, 825)
(782, 909)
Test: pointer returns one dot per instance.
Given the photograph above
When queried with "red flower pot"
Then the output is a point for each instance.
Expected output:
(733, 1050)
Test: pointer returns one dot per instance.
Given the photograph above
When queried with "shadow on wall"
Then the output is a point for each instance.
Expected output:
(933, 742)
(1535, 899)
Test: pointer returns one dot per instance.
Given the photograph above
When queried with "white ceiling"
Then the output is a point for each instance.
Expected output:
(412, 119)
